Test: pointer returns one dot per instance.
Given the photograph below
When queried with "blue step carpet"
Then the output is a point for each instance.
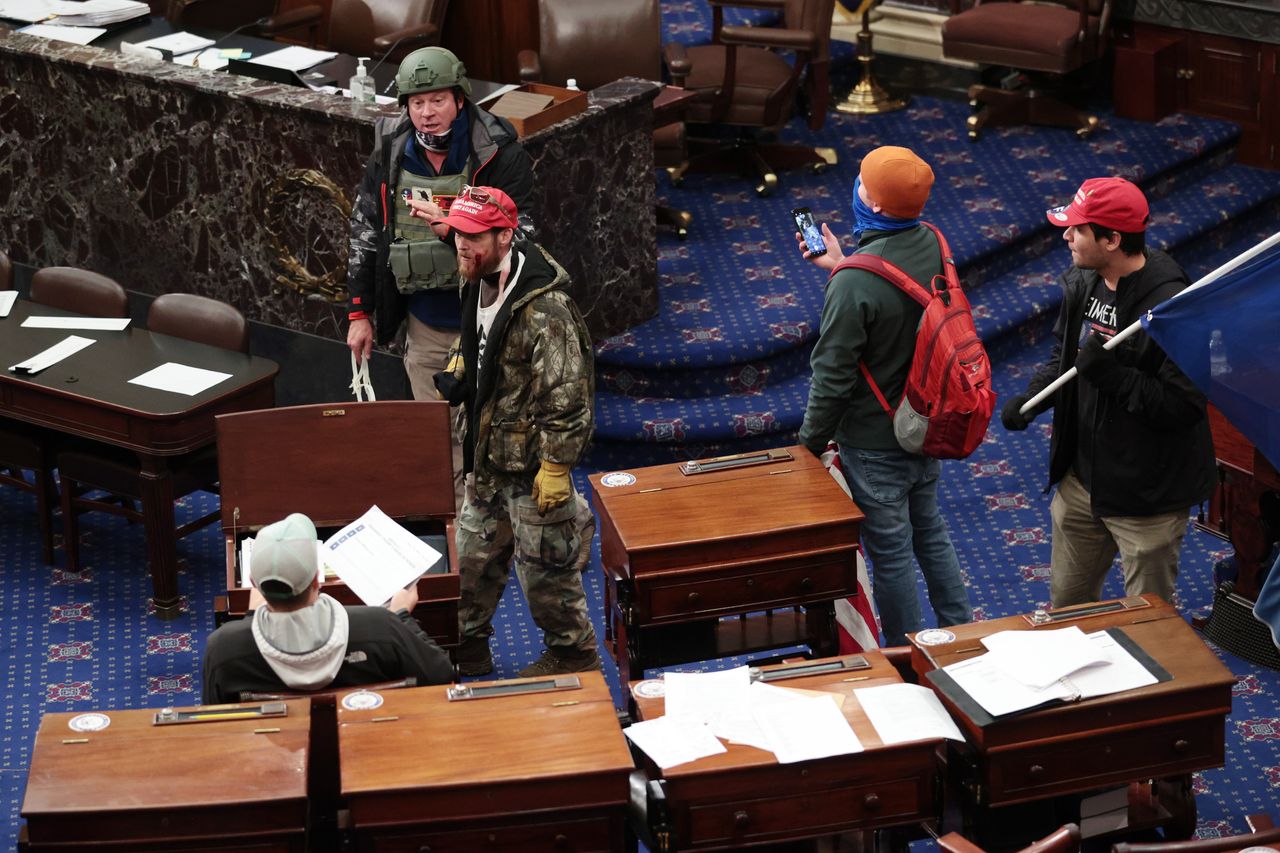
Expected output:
(724, 366)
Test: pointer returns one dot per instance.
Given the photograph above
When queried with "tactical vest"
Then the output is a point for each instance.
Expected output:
(419, 259)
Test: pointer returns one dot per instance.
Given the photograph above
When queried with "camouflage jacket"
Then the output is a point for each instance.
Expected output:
(497, 160)
(534, 394)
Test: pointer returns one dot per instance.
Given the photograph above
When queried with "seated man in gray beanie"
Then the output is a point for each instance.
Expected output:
(297, 638)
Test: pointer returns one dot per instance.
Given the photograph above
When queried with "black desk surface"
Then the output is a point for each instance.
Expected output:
(100, 373)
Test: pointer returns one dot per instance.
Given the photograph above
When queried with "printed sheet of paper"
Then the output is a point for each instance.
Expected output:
(75, 35)
(375, 556)
(177, 43)
(25, 10)
(906, 712)
(806, 729)
(7, 298)
(295, 58)
(1039, 658)
(180, 378)
(737, 723)
(1122, 670)
(998, 692)
(671, 742)
(68, 346)
(90, 324)
(702, 695)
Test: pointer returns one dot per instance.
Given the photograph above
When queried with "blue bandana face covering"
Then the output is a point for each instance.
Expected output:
(866, 219)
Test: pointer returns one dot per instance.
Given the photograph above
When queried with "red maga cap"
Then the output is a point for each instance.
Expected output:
(479, 209)
(1109, 202)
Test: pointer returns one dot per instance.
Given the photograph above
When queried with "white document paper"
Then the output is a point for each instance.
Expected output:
(294, 58)
(7, 298)
(737, 723)
(1039, 658)
(75, 35)
(375, 556)
(806, 729)
(906, 712)
(671, 742)
(25, 10)
(175, 43)
(68, 346)
(180, 378)
(93, 324)
(93, 13)
(702, 695)
(1122, 670)
(209, 60)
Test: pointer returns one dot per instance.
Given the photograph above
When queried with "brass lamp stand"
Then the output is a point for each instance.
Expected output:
(868, 97)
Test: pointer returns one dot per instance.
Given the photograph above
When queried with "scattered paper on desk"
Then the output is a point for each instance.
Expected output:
(68, 346)
(97, 13)
(176, 43)
(210, 59)
(997, 691)
(93, 324)
(75, 35)
(1122, 671)
(905, 712)
(295, 58)
(737, 723)
(25, 10)
(1039, 658)
(670, 741)
(702, 695)
(806, 729)
(375, 556)
(7, 298)
(180, 378)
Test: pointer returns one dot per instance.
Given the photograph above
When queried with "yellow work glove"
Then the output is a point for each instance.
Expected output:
(551, 487)
(455, 365)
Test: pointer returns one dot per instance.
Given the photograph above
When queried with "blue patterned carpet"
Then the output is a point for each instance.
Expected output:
(724, 367)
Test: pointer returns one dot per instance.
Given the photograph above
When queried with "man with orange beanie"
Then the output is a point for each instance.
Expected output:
(867, 320)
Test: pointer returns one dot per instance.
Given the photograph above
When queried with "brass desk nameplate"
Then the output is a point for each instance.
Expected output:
(806, 668)
(463, 692)
(220, 713)
(736, 460)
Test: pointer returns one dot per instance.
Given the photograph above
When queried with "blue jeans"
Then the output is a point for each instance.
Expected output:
(898, 493)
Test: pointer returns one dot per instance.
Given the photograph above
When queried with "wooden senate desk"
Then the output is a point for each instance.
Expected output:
(533, 771)
(233, 784)
(745, 797)
(89, 395)
(768, 531)
(1163, 731)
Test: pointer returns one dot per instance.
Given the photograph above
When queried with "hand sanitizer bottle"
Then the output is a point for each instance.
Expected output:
(362, 84)
(572, 85)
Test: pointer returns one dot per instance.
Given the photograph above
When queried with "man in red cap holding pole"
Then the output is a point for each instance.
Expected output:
(524, 374)
(1131, 449)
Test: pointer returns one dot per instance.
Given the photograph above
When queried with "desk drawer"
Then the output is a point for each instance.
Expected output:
(699, 596)
(805, 813)
(1098, 759)
(575, 836)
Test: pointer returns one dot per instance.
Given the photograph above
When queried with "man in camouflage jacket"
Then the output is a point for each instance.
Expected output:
(524, 374)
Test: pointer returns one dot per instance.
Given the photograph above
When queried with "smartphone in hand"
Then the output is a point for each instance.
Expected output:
(803, 217)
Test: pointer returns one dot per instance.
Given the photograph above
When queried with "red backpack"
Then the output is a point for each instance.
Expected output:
(948, 399)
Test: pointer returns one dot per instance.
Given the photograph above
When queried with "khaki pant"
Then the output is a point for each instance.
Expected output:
(1084, 548)
(490, 533)
(426, 352)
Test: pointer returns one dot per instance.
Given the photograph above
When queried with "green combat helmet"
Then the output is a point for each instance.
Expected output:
(430, 69)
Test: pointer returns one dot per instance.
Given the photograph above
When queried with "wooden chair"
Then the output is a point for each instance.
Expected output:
(1064, 840)
(385, 29)
(1263, 833)
(26, 448)
(1046, 40)
(747, 83)
(88, 470)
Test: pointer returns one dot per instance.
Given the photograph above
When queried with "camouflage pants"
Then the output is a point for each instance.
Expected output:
(490, 532)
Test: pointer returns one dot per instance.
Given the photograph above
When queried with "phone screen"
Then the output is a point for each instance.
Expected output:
(806, 226)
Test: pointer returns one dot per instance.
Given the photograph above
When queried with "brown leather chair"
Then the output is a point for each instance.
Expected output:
(27, 448)
(1047, 40)
(81, 291)
(227, 15)
(385, 28)
(1064, 840)
(596, 43)
(86, 471)
(748, 84)
(1264, 833)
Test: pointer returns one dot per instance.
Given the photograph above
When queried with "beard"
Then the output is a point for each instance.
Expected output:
(482, 262)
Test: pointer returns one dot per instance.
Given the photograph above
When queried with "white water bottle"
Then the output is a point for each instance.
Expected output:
(362, 84)
(572, 84)
(1218, 364)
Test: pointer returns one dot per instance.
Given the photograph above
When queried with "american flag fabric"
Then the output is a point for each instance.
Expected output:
(855, 617)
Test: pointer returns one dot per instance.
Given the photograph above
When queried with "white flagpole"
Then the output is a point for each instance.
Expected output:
(1230, 265)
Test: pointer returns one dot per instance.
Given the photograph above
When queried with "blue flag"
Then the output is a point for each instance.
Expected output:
(1225, 336)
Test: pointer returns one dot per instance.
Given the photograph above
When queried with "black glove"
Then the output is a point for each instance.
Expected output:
(1098, 364)
(451, 388)
(1012, 417)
